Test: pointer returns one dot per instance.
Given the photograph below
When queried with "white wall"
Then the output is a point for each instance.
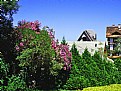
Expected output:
(91, 45)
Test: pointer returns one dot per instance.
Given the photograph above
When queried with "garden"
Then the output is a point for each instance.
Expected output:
(32, 59)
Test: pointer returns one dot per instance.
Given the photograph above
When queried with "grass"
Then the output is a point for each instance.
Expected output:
(112, 87)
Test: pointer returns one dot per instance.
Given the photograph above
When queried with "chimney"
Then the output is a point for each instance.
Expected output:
(113, 25)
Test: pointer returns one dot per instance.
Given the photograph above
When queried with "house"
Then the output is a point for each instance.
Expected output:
(112, 34)
(87, 35)
(92, 46)
(87, 40)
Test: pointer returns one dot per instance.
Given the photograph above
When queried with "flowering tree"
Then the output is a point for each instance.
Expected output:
(39, 54)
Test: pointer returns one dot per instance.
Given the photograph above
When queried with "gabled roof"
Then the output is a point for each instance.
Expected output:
(113, 31)
(89, 34)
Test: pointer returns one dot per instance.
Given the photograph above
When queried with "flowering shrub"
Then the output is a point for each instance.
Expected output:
(40, 54)
(30, 25)
(29, 30)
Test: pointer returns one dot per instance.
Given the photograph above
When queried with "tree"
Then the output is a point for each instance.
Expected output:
(63, 41)
(90, 70)
(41, 58)
(76, 79)
(36, 58)
(7, 36)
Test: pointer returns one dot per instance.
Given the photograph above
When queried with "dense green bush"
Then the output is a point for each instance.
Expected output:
(117, 63)
(15, 83)
(90, 70)
(3, 67)
(7, 82)
(76, 79)
(41, 58)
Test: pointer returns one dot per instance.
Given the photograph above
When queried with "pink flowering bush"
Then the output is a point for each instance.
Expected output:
(30, 25)
(40, 53)
(28, 31)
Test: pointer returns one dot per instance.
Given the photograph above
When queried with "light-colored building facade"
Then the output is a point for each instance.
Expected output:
(92, 46)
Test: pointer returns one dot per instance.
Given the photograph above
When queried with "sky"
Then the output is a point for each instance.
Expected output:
(69, 18)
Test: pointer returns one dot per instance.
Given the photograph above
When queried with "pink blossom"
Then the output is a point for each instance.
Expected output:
(21, 44)
(20, 37)
(64, 68)
(30, 25)
(65, 59)
(62, 53)
(54, 44)
(17, 48)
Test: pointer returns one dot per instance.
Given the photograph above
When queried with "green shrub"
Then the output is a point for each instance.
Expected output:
(3, 72)
(3, 67)
(9, 83)
(117, 63)
(89, 71)
(15, 83)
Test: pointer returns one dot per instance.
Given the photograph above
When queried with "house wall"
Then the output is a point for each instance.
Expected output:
(91, 45)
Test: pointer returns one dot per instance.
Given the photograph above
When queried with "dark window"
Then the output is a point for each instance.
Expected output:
(95, 45)
(84, 38)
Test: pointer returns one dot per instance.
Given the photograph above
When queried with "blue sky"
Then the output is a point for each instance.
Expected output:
(70, 18)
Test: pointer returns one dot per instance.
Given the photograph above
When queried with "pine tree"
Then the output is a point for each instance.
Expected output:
(63, 41)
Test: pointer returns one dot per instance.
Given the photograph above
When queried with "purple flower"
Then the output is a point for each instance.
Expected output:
(21, 44)
(17, 48)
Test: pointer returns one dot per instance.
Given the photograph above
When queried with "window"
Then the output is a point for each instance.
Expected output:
(111, 47)
(95, 45)
(111, 40)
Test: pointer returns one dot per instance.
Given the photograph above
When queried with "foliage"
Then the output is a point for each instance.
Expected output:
(90, 70)
(15, 83)
(63, 41)
(76, 80)
(3, 67)
(112, 87)
(40, 56)
(9, 83)
(3, 72)
(117, 48)
(117, 63)
(7, 36)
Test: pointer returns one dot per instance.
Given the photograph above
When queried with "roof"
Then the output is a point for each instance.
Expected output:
(113, 30)
(89, 34)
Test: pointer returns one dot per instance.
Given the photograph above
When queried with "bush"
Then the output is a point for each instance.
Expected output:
(90, 70)
(3, 67)
(15, 83)
(117, 63)
(41, 58)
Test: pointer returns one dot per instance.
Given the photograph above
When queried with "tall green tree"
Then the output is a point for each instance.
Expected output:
(88, 70)
(76, 79)
(7, 36)
(63, 41)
